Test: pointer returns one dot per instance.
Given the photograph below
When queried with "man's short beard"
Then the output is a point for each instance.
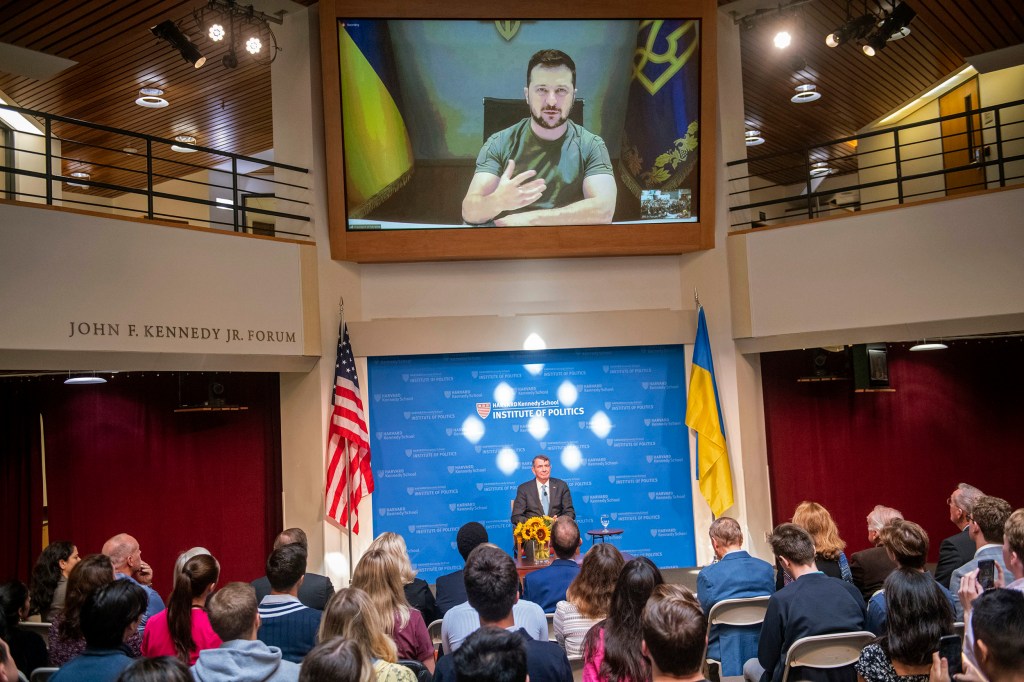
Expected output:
(539, 120)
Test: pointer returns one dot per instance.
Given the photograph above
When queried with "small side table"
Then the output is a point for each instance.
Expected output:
(603, 533)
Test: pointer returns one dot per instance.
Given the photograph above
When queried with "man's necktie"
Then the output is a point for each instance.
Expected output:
(544, 498)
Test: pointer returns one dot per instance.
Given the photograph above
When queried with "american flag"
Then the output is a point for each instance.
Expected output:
(349, 476)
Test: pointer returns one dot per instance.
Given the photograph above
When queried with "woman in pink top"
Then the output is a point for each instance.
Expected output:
(183, 628)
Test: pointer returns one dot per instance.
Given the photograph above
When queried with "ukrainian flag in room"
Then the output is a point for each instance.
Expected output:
(378, 153)
(704, 415)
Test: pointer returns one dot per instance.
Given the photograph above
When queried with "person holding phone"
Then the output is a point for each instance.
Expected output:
(998, 628)
(986, 529)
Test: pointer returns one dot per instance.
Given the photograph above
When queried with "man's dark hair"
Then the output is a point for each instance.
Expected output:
(232, 610)
(292, 536)
(990, 513)
(674, 628)
(551, 59)
(918, 614)
(108, 610)
(285, 566)
(998, 621)
(159, 669)
(794, 543)
(492, 582)
(470, 536)
(565, 537)
(12, 599)
(491, 655)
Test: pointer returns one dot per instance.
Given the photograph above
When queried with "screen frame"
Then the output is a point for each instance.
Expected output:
(491, 243)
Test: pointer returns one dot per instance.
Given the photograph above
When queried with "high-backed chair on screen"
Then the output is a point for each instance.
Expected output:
(826, 651)
(500, 113)
(744, 612)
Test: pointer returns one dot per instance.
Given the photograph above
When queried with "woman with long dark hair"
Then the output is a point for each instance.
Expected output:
(611, 650)
(588, 597)
(918, 614)
(183, 629)
(48, 586)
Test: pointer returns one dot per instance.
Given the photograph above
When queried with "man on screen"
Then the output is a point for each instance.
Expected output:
(542, 496)
(544, 170)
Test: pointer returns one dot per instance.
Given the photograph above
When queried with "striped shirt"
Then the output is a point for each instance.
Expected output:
(288, 624)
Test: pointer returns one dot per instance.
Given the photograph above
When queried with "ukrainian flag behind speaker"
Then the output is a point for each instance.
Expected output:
(378, 153)
(704, 415)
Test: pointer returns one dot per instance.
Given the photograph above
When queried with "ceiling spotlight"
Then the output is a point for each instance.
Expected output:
(853, 29)
(808, 92)
(820, 169)
(81, 176)
(924, 345)
(253, 45)
(184, 139)
(752, 138)
(129, 150)
(892, 27)
(151, 98)
(169, 31)
(782, 40)
(216, 33)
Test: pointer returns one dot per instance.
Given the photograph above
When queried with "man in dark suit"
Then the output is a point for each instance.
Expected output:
(813, 604)
(315, 590)
(734, 575)
(492, 585)
(547, 586)
(451, 588)
(957, 550)
(870, 567)
(543, 496)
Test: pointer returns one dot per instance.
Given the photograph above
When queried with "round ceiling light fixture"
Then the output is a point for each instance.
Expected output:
(253, 45)
(820, 169)
(808, 92)
(782, 40)
(81, 175)
(925, 345)
(184, 139)
(752, 138)
(151, 98)
(216, 33)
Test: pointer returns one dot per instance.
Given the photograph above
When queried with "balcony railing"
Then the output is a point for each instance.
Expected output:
(138, 175)
(966, 152)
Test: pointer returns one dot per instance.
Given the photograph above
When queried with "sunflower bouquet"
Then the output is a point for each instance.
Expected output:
(536, 529)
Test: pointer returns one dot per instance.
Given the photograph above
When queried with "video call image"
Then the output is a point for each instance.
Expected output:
(480, 123)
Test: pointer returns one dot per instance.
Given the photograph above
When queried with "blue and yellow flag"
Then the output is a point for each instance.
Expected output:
(660, 139)
(704, 415)
(378, 153)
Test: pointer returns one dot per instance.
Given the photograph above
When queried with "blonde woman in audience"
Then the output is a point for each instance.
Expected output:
(588, 598)
(350, 614)
(417, 591)
(379, 574)
(828, 546)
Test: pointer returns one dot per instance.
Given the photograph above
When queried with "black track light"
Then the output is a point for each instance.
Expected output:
(893, 26)
(169, 31)
(853, 29)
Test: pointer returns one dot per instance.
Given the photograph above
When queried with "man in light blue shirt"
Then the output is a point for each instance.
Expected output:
(126, 555)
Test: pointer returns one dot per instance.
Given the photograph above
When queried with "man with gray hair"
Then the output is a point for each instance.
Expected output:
(957, 550)
(870, 567)
(126, 556)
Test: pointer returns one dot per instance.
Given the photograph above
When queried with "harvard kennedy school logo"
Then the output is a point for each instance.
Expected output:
(483, 409)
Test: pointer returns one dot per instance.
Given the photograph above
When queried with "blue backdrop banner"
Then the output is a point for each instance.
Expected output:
(452, 437)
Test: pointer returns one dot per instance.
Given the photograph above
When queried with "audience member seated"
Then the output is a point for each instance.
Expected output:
(491, 655)
(49, 583)
(918, 615)
(287, 623)
(673, 628)
(986, 529)
(241, 657)
(735, 575)
(66, 638)
(336, 660)
(315, 589)
(998, 624)
(907, 544)
(183, 629)
(417, 591)
(110, 615)
(492, 587)
(126, 555)
(451, 590)
(588, 597)
(351, 615)
(379, 574)
(611, 650)
(8, 671)
(27, 648)
(870, 567)
(813, 604)
(828, 546)
(463, 619)
(546, 587)
(957, 550)
(159, 669)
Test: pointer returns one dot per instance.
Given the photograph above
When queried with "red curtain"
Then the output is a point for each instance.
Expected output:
(120, 459)
(956, 415)
(21, 496)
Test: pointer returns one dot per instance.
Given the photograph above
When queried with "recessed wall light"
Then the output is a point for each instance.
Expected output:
(151, 98)
(752, 138)
(808, 92)
(184, 139)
